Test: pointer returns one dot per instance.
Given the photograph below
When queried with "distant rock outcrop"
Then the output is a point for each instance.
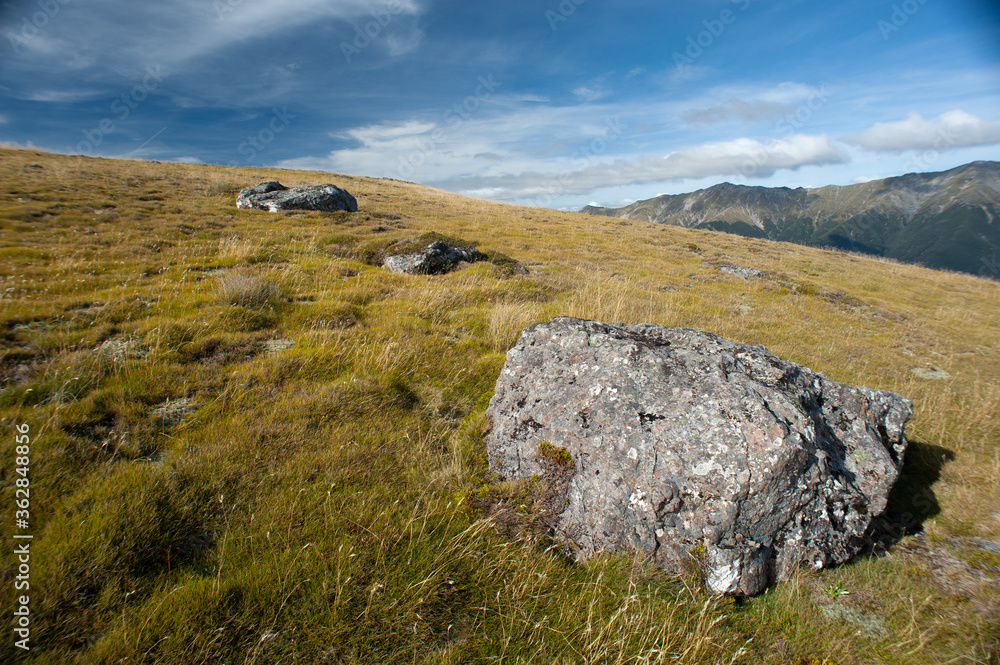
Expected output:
(689, 447)
(436, 258)
(274, 196)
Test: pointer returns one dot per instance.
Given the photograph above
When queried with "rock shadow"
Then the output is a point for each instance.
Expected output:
(912, 500)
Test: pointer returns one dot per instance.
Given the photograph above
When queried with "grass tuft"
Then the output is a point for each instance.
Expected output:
(241, 289)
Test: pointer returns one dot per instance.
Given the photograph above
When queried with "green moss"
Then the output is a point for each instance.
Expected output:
(557, 454)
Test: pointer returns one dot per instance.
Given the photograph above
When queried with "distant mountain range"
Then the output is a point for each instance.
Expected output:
(941, 220)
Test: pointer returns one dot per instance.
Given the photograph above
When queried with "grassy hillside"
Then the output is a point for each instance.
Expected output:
(248, 444)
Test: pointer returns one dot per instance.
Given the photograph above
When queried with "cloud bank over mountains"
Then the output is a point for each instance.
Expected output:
(953, 129)
(435, 150)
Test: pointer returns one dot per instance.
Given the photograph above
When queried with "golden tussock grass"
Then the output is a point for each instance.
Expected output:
(250, 445)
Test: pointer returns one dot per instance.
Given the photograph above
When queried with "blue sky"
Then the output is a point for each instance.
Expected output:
(556, 103)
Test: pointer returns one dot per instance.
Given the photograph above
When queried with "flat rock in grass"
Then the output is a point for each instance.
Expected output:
(274, 196)
(276, 346)
(173, 411)
(931, 373)
(436, 258)
(740, 271)
(686, 446)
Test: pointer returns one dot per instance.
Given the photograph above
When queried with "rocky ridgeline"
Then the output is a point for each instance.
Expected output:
(689, 447)
(275, 197)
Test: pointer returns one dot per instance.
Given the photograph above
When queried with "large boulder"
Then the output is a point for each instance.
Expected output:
(274, 196)
(689, 447)
(436, 258)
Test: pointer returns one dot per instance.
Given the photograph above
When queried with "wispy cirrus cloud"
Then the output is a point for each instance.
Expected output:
(748, 105)
(736, 109)
(109, 34)
(954, 129)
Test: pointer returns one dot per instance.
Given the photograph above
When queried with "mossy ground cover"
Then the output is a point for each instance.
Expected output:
(252, 445)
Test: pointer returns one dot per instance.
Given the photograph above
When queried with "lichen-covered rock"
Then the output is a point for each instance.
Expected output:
(274, 196)
(436, 258)
(685, 444)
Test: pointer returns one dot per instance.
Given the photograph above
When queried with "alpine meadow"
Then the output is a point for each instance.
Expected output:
(249, 442)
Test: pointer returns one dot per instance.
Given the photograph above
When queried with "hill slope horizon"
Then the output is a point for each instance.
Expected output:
(249, 442)
(939, 220)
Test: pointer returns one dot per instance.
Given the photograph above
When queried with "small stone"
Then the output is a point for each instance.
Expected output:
(273, 346)
(931, 374)
(173, 411)
(987, 545)
(868, 622)
(739, 271)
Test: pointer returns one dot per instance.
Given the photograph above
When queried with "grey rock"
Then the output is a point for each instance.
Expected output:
(685, 445)
(987, 545)
(173, 411)
(931, 373)
(274, 196)
(739, 271)
(870, 623)
(438, 257)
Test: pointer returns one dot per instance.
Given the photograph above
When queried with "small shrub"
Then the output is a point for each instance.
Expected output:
(242, 290)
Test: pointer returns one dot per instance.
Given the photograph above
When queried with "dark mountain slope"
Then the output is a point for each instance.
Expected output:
(941, 220)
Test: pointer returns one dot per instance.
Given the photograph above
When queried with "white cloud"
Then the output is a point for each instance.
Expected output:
(586, 94)
(789, 92)
(494, 152)
(401, 43)
(496, 137)
(736, 109)
(59, 96)
(128, 36)
(745, 103)
(953, 129)
(742, 156)
(391, 136)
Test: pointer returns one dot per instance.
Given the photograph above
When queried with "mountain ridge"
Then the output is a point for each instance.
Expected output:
(939, 220)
